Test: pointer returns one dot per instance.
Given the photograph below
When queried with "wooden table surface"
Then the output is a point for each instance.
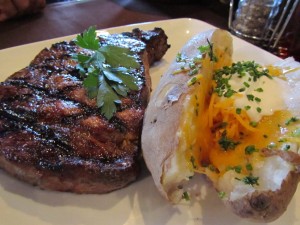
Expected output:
(66, 18)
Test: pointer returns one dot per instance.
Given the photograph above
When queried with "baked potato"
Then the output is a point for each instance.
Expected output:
(236, 123)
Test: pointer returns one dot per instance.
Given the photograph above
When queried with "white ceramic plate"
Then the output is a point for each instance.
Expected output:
(139, 203)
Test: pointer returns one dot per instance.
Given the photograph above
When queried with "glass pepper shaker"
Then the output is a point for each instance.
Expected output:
(262, 22)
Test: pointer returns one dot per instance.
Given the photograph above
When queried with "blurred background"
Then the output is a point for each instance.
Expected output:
(252, 20)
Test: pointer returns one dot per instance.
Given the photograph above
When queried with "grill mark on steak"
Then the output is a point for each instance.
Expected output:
(29, 115)
(52, 135)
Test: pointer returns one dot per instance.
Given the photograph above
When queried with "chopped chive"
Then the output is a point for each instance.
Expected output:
(253, 124)
(291, 120)
(246, 84)
(178, 57)
(238, 110)
(239, 69)
(227, 143)
(249, 167)
(192, 65)
(250, 149)
(238, 169)
(221, 194)
(286, 147)
(247, 107)
(258, 109)
(257, 99)
(259, 90)
(185, 196)
(229, 93)
(251, 180)
(192, 81)
(250, 97)
(242, 89)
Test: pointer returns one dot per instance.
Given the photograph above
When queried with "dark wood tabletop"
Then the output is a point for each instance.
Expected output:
(71, 17)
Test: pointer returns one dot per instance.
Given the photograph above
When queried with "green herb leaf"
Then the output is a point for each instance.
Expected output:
(242, 89)
(238, 110)
(259, 90)
(240, 69)
(185, 196)
(111, 76)
(229, 93)
(250, 97)
(107, 71)
(120, 89)
(117, 56)
(250, 149)
(251, 180)
(179, 57)
(91, 83)
(208, 49)
(253, 124)
(222, 194)
(249, 167)
(291, 120)
(97, 59)
(128, 80)
(88, 39)
(227, 143)
(247, 107)
(246, 84)
(204, 48)
(192, 81)
(257, 99)
(238, 169)
(258, 109)
(286, 147)
(106, 99)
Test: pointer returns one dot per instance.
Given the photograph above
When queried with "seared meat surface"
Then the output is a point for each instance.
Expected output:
(53, 135)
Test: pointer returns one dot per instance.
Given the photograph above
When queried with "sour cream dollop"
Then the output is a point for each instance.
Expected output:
(261, 97)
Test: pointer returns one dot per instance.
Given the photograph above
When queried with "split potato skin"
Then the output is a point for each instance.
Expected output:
(164, 151)
(162, 118)
(266, 206)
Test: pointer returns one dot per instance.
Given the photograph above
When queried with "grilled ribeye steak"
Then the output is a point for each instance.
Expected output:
(53, 135)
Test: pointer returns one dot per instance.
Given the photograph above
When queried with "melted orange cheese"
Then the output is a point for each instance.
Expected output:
(212, 116)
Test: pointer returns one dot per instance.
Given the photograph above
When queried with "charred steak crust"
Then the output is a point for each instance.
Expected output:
(52, 135)
(155, 45)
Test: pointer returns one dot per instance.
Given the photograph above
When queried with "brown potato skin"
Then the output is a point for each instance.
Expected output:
(160, 143)
(266, 206)
(161, 122)
(162, 117)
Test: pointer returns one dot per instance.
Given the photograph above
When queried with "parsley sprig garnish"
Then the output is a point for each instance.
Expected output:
(106, 71)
